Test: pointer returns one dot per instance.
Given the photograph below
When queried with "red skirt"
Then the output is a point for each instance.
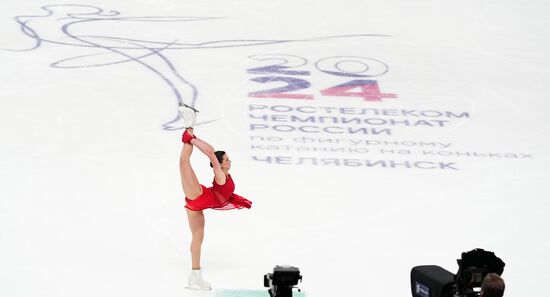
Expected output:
(214, 200)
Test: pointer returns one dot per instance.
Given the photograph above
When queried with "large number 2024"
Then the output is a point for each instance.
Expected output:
(362, 67)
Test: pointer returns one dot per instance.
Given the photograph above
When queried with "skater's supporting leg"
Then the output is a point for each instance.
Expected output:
(196, 224)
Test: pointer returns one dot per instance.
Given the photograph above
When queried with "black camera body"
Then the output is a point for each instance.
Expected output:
(282, 280)
(434, 281)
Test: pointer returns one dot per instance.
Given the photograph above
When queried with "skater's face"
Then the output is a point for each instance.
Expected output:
(226, 163)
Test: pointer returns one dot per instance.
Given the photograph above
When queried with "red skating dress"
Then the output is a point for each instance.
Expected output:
(219, 197)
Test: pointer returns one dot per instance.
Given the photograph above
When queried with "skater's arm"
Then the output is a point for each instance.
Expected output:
(209, 151)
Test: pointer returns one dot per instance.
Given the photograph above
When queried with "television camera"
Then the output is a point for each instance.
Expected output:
(473, 266)
(282, 281)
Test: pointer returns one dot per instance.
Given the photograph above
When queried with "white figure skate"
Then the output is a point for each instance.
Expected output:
(196, 282)
(188, 114)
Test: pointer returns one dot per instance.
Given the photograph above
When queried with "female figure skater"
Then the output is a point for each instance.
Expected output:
(198, 197)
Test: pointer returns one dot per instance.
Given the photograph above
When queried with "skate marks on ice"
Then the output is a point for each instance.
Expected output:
(57, 25)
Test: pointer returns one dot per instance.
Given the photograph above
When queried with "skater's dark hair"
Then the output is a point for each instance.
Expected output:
(219, 156)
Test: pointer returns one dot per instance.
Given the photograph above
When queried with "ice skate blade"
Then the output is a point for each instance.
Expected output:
(181, 104)
(198, 288)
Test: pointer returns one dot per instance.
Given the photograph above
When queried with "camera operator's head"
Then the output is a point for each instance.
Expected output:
(492, 286)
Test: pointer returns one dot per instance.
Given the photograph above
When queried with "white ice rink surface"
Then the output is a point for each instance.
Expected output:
(90, 195)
